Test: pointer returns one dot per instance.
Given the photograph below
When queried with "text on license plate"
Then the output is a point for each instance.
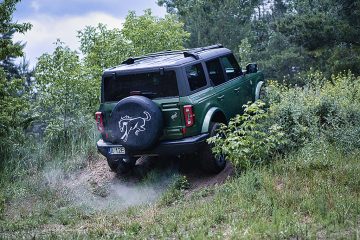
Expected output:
(117, 150)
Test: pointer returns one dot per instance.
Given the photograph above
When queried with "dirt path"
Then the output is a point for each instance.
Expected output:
(98, 173)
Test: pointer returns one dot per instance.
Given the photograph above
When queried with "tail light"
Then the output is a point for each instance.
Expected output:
(99, 121)
(189, 115)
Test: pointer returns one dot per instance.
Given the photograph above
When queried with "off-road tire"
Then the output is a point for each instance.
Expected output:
(209, 162)
(136, 123)
(125, 167)
(113, 164)
(121, 167)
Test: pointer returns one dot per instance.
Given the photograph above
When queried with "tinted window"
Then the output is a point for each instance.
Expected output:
(152, 85)
(231, 66)
(215, 71)
(196, 76)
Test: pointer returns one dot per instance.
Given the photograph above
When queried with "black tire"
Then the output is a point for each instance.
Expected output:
(209, 162)
(125, 167)
(113, 164)
(121, 167)
(136, 122)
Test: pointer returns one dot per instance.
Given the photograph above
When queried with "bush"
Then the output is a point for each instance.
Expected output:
(249, 138)
(320, 109)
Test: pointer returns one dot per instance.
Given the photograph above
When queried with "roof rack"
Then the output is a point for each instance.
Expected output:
(187, 53)
(193, 52)
(131, 60)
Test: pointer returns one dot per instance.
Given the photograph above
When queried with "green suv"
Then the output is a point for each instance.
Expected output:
(168, 103)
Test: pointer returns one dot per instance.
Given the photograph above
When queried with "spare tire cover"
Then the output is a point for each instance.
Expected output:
(136, 123)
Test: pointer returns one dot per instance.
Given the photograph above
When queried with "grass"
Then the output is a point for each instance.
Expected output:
(314, 193)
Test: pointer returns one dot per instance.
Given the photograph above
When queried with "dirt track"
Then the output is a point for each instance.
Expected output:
(98, 173)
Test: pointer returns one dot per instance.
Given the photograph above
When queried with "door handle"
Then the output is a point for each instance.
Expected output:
(221, 98)
(237, 90)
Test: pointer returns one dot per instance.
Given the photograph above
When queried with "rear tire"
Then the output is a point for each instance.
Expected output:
(113, 164)
(121, 167)
(209, 162)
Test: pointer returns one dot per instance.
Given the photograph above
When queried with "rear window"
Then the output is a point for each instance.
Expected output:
(151, 85)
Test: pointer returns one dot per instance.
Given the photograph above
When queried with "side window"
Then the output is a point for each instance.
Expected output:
(196, 76)
(215, 71)
(231, 66)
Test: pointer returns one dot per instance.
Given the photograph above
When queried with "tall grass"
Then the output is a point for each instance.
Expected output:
(24, 166)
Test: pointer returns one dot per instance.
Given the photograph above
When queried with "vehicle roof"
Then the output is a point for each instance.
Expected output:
(170, 58)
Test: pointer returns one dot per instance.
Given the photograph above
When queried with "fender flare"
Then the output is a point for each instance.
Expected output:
(207, 119)
(257, 90)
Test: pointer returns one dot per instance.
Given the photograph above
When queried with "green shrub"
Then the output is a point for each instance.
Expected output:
(320, 109)
(249, 138)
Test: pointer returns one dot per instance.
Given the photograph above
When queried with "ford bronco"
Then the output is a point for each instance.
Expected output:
(170, 102)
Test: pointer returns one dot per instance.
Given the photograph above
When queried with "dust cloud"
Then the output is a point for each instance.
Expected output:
(97, 188)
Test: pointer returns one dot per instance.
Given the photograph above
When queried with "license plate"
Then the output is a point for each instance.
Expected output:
(117, 150)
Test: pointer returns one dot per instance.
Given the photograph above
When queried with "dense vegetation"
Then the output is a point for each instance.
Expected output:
(283, 36)
(295, 153)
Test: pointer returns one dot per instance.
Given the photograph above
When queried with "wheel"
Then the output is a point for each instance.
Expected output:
(136, 123)
(260, 92)
(113, 164)
(120, 166)
(209, 162)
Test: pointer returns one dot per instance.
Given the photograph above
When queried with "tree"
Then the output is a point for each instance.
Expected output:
(12, 101)
(148, 33)
(63, 94)
(325, 31)
(8, 49)
(102, 47)
(214, 21)
(285, 36)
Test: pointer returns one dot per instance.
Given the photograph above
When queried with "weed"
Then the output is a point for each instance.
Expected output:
(175, 191)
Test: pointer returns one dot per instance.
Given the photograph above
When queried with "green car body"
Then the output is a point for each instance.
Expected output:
(209, 102)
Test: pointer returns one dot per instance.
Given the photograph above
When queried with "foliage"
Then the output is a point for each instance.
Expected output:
(245, 52)
(175, 191)
(7, 28)
(103, 48)
(248, 139)
(285, 36)
(13, 100)
(148, 33)
(211, 22)
(320, 107)
(296, 115)
(63, 95)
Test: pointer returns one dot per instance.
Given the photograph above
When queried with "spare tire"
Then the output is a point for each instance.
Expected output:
(136, 123)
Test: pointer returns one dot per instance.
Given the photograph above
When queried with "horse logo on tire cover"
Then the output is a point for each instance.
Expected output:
(128, 124)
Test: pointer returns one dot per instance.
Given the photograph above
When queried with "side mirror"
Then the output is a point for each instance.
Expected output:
(251, 68)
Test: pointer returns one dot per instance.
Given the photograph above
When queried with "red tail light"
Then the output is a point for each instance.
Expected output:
(189, 115)
(99, 121)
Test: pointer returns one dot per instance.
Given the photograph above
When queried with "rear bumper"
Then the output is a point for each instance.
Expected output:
(173, 147)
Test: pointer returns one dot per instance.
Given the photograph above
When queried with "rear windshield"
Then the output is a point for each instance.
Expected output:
(151, 85)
